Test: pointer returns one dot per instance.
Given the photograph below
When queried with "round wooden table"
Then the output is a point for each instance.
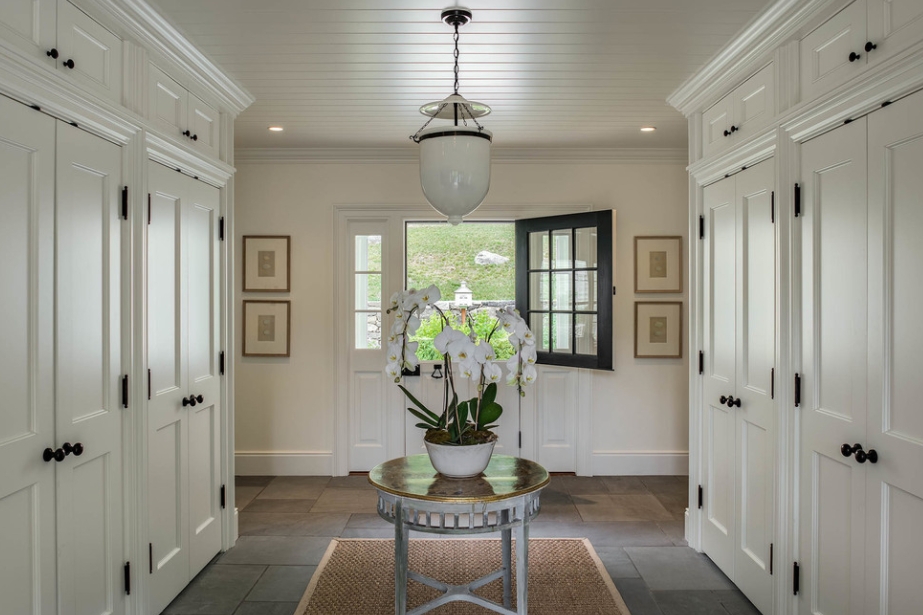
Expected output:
(504, 498)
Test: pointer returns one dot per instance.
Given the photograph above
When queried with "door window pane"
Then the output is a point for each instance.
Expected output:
(586, 247)
(368, 253)
(368, 291)
(538, 322)
(538, 250)
(368, 330)
(539, 290)
(561, 240)
(563, 293)
(585, 291)
(562, 328)
(585, 334)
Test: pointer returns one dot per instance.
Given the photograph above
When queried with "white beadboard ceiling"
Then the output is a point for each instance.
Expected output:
(557, 73)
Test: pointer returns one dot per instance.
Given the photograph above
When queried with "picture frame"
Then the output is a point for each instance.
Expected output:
(658, 329)
(267, 263)
(267, 326)
(658, 264)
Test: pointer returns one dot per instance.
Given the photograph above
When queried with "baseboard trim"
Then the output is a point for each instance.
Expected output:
(257, 463)
(643, 463)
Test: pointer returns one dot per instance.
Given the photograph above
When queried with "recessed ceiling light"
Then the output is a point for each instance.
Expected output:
(276, 128)
(648, 128)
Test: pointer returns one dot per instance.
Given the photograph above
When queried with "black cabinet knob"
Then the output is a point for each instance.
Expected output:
(68, 448)
(186, 133)
(52, 53)
(189, 401)
(727, 133)
(69, 64)
(734, 129)
(732, 401)
(199, 398)
(861, 455)
(872, 455)
(723, 399)
(853, 56)
(76, 449)
(868, 47)
(846, 449)
(195, 137)
(57, 454)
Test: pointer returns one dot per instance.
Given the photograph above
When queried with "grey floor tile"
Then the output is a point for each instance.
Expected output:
(615, 534)
(553, 496)
(217, 590)
(280, 506)
(367, 521)
(244, 495)
(665, 484)
(350, 482)
(282, 584)
(267, 608)
(617, 563)
(277, 550)
(295, 488)
(622, 508)
(320, 524)
(637, 597)
(676, 530)
(677, 568)
(252, 481)
(579, 485)
(700, 602)
(624, 485)
(346, 500)
(736, 603)
(565, 512)
(675, 503)
(267, 524)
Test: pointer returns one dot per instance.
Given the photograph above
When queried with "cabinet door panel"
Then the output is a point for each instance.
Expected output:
(27, 499)
(893, 25)
(95, 51)
(88, 406)
(825, 51)
(30, 25)
(203, 123)
(895, 423)
(168, 102)
(834, 344)
(715, 122)
(754, 103)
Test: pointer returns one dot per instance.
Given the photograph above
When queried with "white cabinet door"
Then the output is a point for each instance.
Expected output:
(754, 103)
(894, 485)
(30, 25)
(182, 332)
(88, 349)
(203, 124)
(716, 126)
(168, 102)
(739, 426)
(893, 25)
(90, 54)
(834, 356)
(27, 498)
(825, 53)
(719, 524)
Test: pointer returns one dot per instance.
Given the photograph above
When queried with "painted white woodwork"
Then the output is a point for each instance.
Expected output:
(556, 397)
(894, 486)
(88, 370)
(825, 52)
(184, 526)
(29, 25)
(95, 52)
(739, 308)
(27, 483)
(893, 25)
(178, 111)
(740, 114)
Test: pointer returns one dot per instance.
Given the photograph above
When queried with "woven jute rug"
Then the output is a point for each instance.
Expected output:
(356, 577)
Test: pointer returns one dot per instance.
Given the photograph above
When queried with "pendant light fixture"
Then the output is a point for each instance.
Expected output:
(454, 160)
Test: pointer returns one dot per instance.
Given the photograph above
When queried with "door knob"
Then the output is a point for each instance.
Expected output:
(734, 129)
(189, 401)
(57, 454)
(186, 133)
(194, 137)
(727, 133)
(723, 399)
(199, 398)
(853, 56)
(69, 63)
(76, 449)
(733, 402)
(870, 45)
(861, 456)
(52, 53)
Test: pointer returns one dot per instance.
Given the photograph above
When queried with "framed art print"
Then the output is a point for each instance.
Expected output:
(267, 262)
(658, 264)
(267, 328)
(658, 329)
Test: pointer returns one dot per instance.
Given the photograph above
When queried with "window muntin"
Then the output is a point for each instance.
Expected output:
(367, 290)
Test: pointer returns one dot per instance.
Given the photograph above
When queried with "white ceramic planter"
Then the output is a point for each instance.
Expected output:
(460, 461)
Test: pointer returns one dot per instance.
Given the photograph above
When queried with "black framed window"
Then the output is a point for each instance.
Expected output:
(563, 287)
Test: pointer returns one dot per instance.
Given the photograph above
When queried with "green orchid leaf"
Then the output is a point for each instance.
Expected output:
(423, 426)
(490, 394)
(425, 418)
(418, 404)
(489, 413)
(462, 412)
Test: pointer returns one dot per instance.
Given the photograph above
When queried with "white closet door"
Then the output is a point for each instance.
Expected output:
(30, 25)
(719, 510)
(200, 261)
(894, 490)
(96, 52)
(834, 355)
(755, 423)
(168, 440)
(27, 515)
(88, 407)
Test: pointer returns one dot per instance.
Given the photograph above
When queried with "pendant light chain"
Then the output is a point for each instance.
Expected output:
(416, 137)
(456, 58)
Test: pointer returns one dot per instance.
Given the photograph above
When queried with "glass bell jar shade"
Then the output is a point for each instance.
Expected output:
(455, 169)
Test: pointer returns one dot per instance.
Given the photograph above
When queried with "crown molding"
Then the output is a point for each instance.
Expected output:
(734, 61)
(154, 32)
(403, 155)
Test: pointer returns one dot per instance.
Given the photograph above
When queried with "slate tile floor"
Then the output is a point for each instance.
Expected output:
(635, 523)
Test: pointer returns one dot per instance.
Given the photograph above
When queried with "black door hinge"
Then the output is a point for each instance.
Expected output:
(772, 207)
(148, 207)
(797, 390)
(797, 200)
(125, 202)
(772, 383)
(148, 383)
(520, 440)
(701, 496)
(796, 578)
(221, 228)
(128, 578)
(125, 391)
(221, 363)
(223, 497)
(701, 227)
(150, 557)
(613, 291)
(701, 362)
(770, 557)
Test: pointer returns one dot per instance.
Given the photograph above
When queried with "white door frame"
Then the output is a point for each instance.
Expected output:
(397, 215)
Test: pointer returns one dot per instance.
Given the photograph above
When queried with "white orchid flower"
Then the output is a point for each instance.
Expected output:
(441, 341)
(493, 372)
(469, 369)
(393, 370)
(461, 349)
(512, 363)
(529, 354)
(398, 327)
(411, 360)
(512, 379)
(394, 352)
(396, 338)
(529, 374)
(395, 300)
(413, 323)
(484, 353)
(429, 295)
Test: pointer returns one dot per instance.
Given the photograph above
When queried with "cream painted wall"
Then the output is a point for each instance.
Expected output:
(285, 407)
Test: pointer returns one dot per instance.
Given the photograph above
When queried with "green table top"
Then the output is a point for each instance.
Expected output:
(414, 477)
